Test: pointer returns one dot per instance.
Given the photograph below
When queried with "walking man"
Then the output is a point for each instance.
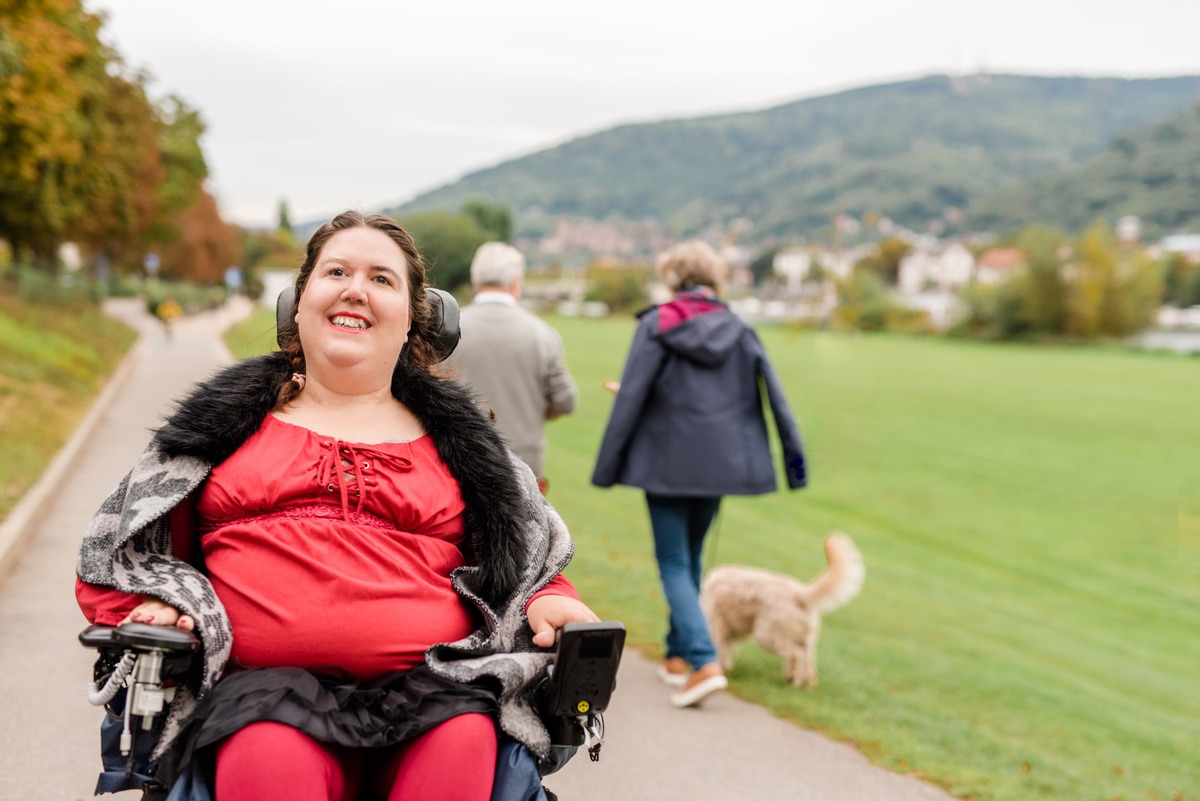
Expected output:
(511, 359)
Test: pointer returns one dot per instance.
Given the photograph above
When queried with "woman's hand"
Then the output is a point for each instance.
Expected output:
(157, 613)
(549, 613)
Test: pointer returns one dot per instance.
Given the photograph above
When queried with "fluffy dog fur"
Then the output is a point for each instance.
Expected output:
(781, 613)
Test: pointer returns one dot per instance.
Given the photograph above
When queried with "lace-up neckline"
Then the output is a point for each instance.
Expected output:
(347, 468)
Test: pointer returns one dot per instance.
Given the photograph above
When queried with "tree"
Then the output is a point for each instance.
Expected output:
(448, 242)
(863, 302)
(622, 288)
(493, 218)
(284, 231)
(116, 196)
(885, 262)
(205, 247)
(42, 45)
(1181, 279)
(763, 264)
(84, 154)
(182, 156)
(1041, 290)
(1109, 293)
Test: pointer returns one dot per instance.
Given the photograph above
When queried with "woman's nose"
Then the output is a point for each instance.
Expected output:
(356, 290)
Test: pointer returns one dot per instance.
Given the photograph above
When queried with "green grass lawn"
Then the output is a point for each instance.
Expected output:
(1030, 520)
(54, 360)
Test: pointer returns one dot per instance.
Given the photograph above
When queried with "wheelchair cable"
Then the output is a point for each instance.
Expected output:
(593, 735)
(100, 697)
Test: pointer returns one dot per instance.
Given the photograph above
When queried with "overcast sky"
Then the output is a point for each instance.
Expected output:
(366, 103)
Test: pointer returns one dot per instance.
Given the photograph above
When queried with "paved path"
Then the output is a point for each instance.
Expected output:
(49, 749)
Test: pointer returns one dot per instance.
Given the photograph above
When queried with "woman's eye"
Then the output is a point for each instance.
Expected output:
(336, 271)
(383, 279)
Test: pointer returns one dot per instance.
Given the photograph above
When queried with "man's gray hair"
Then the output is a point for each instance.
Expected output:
(496, 264)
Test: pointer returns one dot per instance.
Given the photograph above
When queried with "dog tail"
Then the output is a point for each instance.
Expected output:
(843, 579)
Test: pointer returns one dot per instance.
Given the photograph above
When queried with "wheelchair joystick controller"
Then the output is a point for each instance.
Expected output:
(144, 652)
(581, 682)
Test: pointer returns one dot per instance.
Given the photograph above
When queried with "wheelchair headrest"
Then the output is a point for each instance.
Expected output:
(444, 321)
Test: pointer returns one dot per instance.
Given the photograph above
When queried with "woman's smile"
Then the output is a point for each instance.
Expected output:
(351, 321)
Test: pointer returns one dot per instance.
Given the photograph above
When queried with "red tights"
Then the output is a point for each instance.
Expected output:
(454, 761)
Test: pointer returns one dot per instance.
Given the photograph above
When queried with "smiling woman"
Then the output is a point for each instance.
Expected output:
(340, 525)
(354, 316)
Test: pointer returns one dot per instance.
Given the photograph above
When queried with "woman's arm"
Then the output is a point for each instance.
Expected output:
(554, 606)
(106, 606)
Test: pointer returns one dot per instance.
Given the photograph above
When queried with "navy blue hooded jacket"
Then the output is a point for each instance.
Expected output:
(688, 419)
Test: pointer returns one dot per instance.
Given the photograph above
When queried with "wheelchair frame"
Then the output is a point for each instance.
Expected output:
(137, 660)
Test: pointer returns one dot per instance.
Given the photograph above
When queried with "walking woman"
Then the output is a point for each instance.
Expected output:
(688, 427)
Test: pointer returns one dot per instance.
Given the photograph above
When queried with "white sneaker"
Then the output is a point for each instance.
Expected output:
(692, 696)
(676, 680)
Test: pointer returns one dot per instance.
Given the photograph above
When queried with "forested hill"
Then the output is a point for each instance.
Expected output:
(907, 150)
(1153, 173)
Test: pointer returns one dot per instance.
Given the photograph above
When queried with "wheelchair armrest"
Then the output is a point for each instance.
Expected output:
(140, 637)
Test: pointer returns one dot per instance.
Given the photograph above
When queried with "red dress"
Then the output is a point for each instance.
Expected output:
(329, 555)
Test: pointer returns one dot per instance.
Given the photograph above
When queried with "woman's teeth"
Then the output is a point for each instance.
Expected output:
(349, 322)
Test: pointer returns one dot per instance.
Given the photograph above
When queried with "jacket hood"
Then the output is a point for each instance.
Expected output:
(698, 328)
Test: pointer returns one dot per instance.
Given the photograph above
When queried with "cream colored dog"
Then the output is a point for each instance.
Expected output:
(781, 613)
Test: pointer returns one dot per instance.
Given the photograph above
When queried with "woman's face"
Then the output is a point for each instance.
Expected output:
(354, 310)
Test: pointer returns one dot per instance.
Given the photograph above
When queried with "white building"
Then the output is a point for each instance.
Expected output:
(792, 265)
(938, 267)
(1186, 244)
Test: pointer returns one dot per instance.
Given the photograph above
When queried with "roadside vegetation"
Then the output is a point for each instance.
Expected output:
(1030, 520)
(55, 358)
(254, 335)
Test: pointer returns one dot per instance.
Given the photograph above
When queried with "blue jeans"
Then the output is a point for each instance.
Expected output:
(680, 525)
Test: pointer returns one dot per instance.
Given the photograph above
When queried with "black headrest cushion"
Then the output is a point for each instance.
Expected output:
(444, 320)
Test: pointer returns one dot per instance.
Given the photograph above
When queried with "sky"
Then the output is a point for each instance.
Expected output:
(367, 103)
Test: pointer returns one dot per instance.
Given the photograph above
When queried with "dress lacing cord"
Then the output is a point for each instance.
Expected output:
(348, 470)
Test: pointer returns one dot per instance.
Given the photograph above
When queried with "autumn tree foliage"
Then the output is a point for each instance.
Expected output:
(205, 245)
(85, 155)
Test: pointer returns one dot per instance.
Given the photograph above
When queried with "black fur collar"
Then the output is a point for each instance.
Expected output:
(221, 413)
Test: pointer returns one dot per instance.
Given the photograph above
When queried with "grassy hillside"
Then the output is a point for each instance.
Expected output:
(1153, 173)
(907, 150)
(54, 359)
(1030, 520)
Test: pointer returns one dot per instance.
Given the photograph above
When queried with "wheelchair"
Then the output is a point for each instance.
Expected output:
(137, 663)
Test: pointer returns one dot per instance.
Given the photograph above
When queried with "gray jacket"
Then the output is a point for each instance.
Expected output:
(514, 362)
(688, 419)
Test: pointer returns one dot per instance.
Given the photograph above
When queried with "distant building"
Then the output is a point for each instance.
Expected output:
(587, 236)
(792, 266)
(1188, 245)
(1129, 230)
(995, 265)
(273, 282)
(942, 267)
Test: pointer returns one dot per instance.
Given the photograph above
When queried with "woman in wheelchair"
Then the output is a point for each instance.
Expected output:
(373, 576)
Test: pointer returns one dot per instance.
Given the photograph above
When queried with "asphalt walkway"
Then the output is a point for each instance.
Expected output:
(49, 749)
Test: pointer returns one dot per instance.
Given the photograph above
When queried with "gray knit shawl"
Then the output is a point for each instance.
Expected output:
(516, 542)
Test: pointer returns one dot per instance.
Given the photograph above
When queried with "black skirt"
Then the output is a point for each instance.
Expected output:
(342, 711)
